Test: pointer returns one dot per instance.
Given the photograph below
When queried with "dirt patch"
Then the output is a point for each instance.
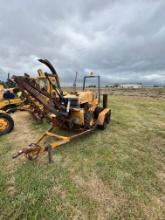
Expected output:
(21, 136)
(161, 176)
(11, 188)
(153, 210)
(96, 189)
(23, 133)
(156, 148)
(107, 201)
(58, 190)
(77, 214)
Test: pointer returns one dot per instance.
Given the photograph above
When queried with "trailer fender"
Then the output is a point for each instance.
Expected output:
(102, 115)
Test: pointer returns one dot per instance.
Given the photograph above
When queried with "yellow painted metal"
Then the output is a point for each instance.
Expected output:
(84, 97)
(1, 91)
(87, 97)
(3, 124)
(101, 117)
(7, 102)
(59, 139)
(77, 114)
(44, 83)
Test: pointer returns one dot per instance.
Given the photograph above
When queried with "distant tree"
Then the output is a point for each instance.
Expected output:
(92, 86)
(116, 85)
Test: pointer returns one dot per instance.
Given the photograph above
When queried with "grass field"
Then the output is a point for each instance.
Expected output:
(118, 173)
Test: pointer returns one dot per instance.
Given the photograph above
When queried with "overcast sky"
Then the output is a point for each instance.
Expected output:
(122, 40)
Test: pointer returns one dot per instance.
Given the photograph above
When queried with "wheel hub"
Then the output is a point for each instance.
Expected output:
(3, 124)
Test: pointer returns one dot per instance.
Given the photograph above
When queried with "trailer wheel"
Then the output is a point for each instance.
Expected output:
(6, 123)
(108, 117)
(103, 126)
(97, 111)
(107, 120)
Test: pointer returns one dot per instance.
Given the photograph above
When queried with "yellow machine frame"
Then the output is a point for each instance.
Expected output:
(6, 104)
(9, 102)
(88, 103)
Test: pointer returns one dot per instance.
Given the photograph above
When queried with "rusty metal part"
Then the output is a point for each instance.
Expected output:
(76, 112)
(50, 66)
(31, 88)
(105, 100)
(31, 152)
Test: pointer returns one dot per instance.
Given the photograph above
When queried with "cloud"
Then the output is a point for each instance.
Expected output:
(122, 40)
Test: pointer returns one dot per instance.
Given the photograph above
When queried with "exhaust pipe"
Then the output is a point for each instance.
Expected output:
(105, 100)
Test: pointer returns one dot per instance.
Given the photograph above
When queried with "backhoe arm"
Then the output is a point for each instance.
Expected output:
(31, 88)
(56, 85)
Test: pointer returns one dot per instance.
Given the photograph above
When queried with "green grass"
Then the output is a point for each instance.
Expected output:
(113, 174)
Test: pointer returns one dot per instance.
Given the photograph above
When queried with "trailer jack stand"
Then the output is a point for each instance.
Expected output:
(48, 148)
(33, 150)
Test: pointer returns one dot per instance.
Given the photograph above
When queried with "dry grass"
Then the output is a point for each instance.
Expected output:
(151, 92)
(113, 174)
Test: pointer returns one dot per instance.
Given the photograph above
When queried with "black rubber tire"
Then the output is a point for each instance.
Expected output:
(107, 120)
(97, 111)
(10, 121)
(10, 108)
(108, 117)
(103, 126)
